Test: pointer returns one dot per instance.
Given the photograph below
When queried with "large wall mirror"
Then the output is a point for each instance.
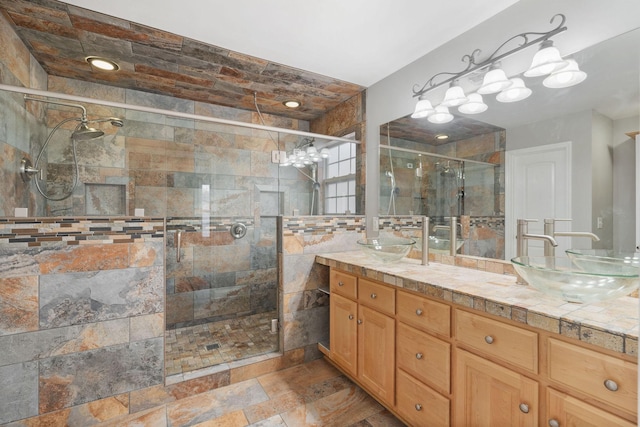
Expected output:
(561, 153)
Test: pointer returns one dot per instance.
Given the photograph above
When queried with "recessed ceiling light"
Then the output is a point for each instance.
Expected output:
(442, 136)
(102, 63)
(292, 103)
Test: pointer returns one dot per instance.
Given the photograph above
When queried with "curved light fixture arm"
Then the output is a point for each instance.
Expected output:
(496, 56)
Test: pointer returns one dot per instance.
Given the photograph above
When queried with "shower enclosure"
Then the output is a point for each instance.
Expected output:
(217, 185)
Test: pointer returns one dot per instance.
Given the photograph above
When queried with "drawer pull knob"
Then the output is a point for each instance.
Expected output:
(488, 339)
(359, 321)
(418, 356)
(351, 317)
(554, 423)
(524, 408)
(418, 312)
(374, 296)
(418, 407)
(611, 385)
(340, 284)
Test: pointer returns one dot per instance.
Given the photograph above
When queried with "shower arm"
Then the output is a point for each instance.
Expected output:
(66, 104)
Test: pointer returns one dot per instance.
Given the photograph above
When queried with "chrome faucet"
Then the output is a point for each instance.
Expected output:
(549, 229)
(425, 238)
(523, 234)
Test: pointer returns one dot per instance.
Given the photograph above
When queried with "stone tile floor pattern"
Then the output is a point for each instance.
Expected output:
(311, 394)
(234, 339)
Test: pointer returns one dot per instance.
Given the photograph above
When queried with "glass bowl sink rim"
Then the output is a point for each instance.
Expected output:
(386, 241)
(611, 255)
(628, 271)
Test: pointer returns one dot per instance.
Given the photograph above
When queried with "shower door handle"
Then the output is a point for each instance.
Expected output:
(178, 244)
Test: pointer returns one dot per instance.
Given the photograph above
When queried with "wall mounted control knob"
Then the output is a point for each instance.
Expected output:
(488, 339)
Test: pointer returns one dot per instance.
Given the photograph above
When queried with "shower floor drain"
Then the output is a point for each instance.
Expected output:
(212, 347)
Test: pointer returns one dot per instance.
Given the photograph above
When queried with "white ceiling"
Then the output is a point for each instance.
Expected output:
(358, 41)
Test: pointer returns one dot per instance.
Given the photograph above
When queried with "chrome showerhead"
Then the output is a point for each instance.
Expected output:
(85, 133)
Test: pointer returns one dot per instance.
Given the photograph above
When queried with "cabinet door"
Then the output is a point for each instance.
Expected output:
(343, 332)
(376, 353)
(488, 394)
(566, 411)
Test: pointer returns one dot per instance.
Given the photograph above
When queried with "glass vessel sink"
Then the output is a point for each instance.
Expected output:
(386, 249)
(595, 280)
(584, 256)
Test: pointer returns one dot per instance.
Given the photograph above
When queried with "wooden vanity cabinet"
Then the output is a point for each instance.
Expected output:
(433, 363)
(566, 411)
(362, 334)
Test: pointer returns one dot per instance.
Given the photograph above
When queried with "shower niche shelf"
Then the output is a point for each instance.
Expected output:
(105, 199)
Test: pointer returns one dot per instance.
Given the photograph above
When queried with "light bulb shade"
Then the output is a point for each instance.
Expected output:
(454, 97)
(565, 77)
(441, 115)
(516, 92)
(311, 150)
(474, 104)
(545, 61)
(494, 81)
(324, 153)
(423, 109)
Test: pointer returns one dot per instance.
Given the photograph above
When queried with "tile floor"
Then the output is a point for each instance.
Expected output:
(311, 394)
(196, 347)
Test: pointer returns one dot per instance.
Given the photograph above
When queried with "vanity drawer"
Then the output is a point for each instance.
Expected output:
(424, 357)
(606, 378)
(420, 405)
(499, 340)
(343, 283)
(424, 314)
(376, 296)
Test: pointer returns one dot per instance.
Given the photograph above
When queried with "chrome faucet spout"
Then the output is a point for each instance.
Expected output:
(549, 239)
(593, 237)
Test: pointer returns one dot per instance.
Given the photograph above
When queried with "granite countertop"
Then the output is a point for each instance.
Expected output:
(611, 324)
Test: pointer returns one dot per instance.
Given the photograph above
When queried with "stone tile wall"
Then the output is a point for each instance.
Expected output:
(81, 311)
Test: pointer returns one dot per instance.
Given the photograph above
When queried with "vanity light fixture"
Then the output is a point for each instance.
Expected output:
(305, 154)
(547, 61)
(292, 103)
(103, 64)
(567, 76)
(517, 91)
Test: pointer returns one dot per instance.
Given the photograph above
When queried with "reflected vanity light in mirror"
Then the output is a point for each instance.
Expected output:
(423, 108)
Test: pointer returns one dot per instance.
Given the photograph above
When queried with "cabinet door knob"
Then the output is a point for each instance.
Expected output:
(488, 339)
(419, 312)
(524, 408)
(340, 284)
(611, 385)
(554, 423)
(351, 317)
(418, 407)
(359, 321)
(418, 356)
(374, 296)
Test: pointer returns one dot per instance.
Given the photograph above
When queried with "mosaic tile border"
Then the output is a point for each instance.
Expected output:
(34, 232)
(295, 225)
(218, 223)
(578, 324)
